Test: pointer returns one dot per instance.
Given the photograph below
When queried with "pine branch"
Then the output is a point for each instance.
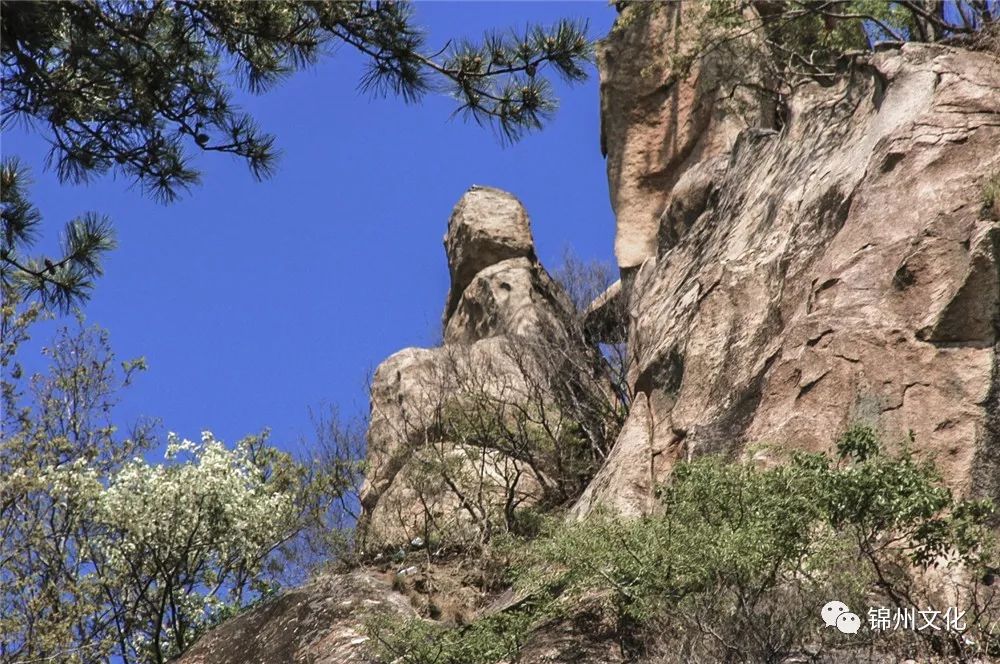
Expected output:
(60, 283)
(136, 87)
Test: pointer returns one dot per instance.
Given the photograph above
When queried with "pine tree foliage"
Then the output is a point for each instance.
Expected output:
(769, 48)
(135, 87)
(59, 282)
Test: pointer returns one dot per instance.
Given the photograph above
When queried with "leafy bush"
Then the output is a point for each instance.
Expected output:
(105, 555)
(160, 546)
(740, 554)
(416, 641)
(738, 560)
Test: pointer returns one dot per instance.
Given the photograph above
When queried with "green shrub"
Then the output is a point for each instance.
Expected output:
(415, 641)
(739, 555)
(738, 560)
(991, 195)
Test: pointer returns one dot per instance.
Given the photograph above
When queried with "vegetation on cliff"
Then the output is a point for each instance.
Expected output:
(731, 565)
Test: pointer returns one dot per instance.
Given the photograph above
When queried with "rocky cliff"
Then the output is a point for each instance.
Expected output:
(456, 434)
(780, 280)
(781, 284)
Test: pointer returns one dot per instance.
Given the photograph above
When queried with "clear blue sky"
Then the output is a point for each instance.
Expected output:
(254, 300)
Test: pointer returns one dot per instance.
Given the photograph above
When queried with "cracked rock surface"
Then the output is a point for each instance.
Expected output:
(840, 269)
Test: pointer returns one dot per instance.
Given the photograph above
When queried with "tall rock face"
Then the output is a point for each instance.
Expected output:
(658, 133)
(784, 284)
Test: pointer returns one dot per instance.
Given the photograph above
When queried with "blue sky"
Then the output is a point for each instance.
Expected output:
(253, 301)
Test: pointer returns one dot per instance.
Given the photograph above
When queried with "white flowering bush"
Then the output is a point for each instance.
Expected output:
(109, 554)
(183, 538)
(212, 502)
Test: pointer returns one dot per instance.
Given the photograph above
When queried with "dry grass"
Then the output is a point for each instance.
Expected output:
(991, 195)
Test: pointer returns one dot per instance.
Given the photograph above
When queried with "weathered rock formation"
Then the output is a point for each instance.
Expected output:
(321, 622)
(784, 283)
(502, 302)
(433, 478)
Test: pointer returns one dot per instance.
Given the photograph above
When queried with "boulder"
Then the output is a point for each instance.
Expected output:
(424, 472)
(321, 622)
(486, 227)
(406, 392)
